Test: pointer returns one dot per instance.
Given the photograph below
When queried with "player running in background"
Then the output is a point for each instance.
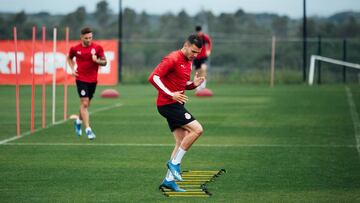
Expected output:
(171, 77)
(202, 57)
(89, 56)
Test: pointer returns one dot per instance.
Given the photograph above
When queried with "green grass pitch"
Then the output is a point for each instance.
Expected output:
(284, 144)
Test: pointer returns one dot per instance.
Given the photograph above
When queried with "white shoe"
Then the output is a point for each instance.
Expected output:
(91, 135)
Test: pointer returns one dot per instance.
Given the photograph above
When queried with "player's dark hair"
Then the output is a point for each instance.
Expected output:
(86, 30)
(194, 39)
(198, 28)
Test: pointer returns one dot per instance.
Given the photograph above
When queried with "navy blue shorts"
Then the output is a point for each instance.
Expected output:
(176, 115)
(85, 89)
(198, 62)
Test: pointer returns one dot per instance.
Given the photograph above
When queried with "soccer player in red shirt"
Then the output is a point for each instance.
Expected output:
(171, 77)
(202, 57)
(89, 56)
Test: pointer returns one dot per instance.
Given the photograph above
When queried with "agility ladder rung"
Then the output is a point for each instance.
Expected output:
(194, 182)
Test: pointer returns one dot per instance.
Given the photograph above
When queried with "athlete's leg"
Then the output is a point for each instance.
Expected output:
(188, 134)
(179, 134)
(203, 70)
(202, 73)
(84, 113)
(195, 131)
(179, 152)
(84, 106)
(88, 105)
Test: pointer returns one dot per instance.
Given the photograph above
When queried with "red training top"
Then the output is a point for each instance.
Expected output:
(207, 45)
(171, 75)
(86, 67)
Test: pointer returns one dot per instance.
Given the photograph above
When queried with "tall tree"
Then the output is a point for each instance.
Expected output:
(184, 22)
(19, 19)
(102, 13)
(280, 26)
(144, 24)
(4, 29)
(129, 22)
(168, 26)
(227, 23)
(74, 21)
(351, 28)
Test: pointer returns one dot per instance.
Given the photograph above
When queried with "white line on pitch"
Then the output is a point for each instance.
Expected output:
(56, 123)
(171, 145)
(355, 118)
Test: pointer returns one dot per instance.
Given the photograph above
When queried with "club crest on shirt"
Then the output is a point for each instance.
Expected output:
(78, 52)
(187, 116)
(93, 51)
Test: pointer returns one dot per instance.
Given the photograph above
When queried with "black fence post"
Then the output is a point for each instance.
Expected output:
(304, 41)
(120, 54)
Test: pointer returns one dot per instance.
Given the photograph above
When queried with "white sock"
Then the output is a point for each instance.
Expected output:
(78, 121)
(87, 129)
(203, 85)
(178, 156)
(169, 176)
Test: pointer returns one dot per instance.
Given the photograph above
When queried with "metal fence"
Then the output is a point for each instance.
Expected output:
(248, 59)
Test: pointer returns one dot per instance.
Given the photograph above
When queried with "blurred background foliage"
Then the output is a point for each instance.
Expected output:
(242, 41)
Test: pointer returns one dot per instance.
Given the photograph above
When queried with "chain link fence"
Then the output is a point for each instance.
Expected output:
(247, 59)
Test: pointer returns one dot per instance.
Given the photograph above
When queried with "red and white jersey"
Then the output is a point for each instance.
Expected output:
(86, 67)
(171, 75)
(207, 45)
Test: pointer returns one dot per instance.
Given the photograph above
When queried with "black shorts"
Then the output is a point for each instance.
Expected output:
(176, 115)
(85, 89)
(198, 62)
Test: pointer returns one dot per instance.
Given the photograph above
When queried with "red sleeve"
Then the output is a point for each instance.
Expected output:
(164, 67)
(72, 52)
(190, 86)
(100, 52)
(208, 42)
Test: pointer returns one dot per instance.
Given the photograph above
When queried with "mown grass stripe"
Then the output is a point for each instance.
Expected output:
(171, 145)
(354, 117)
(56, 123)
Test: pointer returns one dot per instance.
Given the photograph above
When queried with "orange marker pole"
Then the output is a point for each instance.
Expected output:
(43, 105)
(32, 122)
(66, 75)
(17, 85)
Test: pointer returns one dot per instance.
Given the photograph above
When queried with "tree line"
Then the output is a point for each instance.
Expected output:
(241, 39)
(169, 25)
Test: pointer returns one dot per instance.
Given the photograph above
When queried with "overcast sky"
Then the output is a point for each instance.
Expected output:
(292, 8)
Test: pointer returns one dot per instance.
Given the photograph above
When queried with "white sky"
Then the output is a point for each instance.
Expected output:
(292, 8)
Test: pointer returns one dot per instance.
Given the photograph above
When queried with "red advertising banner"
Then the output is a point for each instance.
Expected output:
(108, 75)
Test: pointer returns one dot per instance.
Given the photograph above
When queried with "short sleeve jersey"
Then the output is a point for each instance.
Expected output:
(86, 67)
(207, 45)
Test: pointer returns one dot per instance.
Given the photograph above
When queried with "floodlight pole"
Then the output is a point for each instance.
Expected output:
(119, 43)
(304, 42)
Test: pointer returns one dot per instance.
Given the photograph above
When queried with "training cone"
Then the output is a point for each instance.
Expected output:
(204, 93)
(110, 93)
